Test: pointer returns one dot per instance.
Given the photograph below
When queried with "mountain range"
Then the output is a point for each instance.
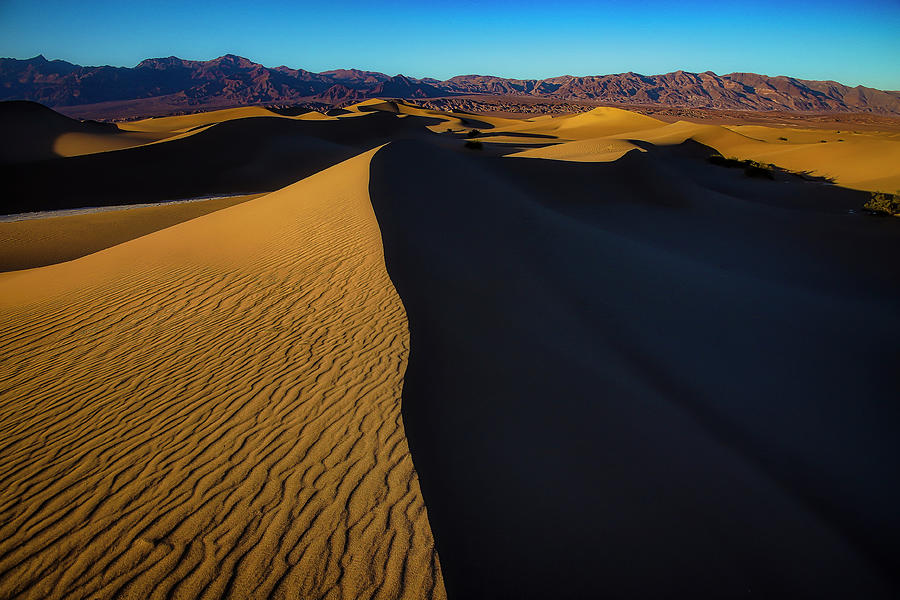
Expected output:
(176, 84)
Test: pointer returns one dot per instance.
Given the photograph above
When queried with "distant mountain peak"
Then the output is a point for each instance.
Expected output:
(157, 63)
(234, 58)
(231, 80)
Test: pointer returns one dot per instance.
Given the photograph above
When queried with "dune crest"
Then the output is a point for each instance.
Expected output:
(213, 410)
(597, 150)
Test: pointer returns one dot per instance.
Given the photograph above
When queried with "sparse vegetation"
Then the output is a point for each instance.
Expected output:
(751, 167)
(721, 161)
(823, 141)
(473, 133)
(883, 204)
(783, 139)
(756, 169)
(474, 145)
(810, 176)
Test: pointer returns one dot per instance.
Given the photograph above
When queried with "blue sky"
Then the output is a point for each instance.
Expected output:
(851, 42)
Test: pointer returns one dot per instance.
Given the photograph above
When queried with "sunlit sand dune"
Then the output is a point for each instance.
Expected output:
(599, 150)
(862, 162)
(314, 116)
(213, 410)
(37, 242)
(595, 123)
(76, 144)
(182, 123)
(868, 162)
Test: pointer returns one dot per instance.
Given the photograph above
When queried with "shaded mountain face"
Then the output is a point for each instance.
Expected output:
(230, 78)
(233, 80)
(747, 91)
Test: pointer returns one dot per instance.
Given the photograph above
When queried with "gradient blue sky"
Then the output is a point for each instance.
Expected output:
(850, 42)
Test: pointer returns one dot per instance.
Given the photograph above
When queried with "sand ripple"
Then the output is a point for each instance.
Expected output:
(212, 411)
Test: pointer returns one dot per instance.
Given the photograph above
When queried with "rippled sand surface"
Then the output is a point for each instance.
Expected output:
(212, 411)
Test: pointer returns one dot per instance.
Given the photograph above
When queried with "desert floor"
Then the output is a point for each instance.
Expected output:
(625, 371)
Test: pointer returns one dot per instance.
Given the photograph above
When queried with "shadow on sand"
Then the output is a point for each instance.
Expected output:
(247, 155)
(653, 378)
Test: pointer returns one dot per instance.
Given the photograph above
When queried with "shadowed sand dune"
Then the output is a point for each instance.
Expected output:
(632, 380)
(34, 132)
(242, 155)
(212, 411)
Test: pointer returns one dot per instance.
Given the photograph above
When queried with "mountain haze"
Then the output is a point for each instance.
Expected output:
(233, 80)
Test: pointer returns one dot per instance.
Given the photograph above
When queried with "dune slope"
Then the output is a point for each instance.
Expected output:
(31, 131)
(26, 244)
(240, 155)
(643, 379)
(211, 411)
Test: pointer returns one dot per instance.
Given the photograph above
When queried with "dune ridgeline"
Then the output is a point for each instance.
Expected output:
(636, 359)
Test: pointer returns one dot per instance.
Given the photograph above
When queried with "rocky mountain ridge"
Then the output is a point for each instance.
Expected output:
(234, 80)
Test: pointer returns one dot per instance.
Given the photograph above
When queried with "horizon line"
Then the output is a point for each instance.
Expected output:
(41, 55)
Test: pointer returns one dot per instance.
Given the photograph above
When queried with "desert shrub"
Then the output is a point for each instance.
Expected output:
(823, 141)
(721, 161)
(759, 165)
(751, 167)
(757, 171)
(473, 133)
(474, 145)
(883, 204)
(783, 139)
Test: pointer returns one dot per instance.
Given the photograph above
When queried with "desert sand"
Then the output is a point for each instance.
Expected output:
(213, 409)
(37, 242)
(621, 370)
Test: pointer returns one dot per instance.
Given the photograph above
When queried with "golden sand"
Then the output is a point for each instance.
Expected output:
(213, 410)
(39, 242)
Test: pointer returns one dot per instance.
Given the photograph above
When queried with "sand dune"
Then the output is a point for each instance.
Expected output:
(865, 162)
(182, 123)
(237, 156)
(645, 378)
(230, 152)
(31, 243)
(626, 372)
(598, 122)
(36, 133)
(77, 144)
(597, 150)
(213, 410)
